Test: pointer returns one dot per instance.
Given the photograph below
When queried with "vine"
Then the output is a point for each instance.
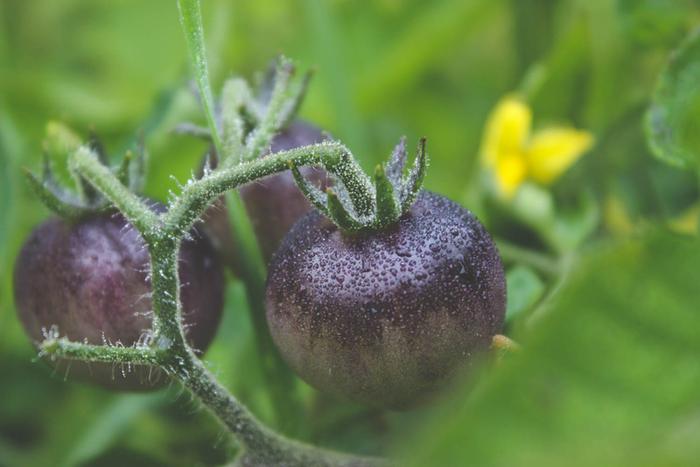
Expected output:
(163, 233)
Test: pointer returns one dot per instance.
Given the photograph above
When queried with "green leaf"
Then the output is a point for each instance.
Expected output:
(655, 22)
(330, 48)
(673, 120)
(425, 39)
(10, 148)
(108, 424)
(608, 376)
(524, 289)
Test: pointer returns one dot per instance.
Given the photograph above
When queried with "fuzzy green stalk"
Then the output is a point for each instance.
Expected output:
(196, 197)
(169, 350)
(61, 347)
(233, 148)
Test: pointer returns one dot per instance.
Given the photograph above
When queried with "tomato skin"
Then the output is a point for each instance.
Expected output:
(273, 203)
(90, 280)
(386, 318)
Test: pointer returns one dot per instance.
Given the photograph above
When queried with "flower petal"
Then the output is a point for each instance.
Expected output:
(510, 172)
(507, 130)
(553, 150)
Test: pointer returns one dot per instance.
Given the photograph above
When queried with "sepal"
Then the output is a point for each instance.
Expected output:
(83, 199)
(357, 203)
(387, 206)
(339, 214)
(413, 182)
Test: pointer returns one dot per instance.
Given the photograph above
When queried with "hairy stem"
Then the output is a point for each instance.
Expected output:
(261, 445)
(232, 149)
(167, 317)
(191, 21)
(85, 161)
(163, 234)
(196, 197)
(61, 347)
(169, 350)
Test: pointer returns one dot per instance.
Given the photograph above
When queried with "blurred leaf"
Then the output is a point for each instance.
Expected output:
(10, 147)
(326, 35)
(108, 424)
(572, 226)
(423, 42)
(652, 22)
(673, 120)
(609, 375)
(8, 455)
(524, 289)
(533, 29)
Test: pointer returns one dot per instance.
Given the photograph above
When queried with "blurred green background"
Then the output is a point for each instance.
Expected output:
(383, 69)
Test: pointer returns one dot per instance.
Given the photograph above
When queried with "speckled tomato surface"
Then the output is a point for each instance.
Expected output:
(90, 280)
(384, 318)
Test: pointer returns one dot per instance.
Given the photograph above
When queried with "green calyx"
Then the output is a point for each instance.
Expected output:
(249, 115)
(82, 200)
(358, 203)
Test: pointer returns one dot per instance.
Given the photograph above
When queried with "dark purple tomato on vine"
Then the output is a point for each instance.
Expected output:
(90, 280)
(273, 203)
(385, 317)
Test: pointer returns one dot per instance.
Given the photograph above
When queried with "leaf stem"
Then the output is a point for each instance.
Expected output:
(262, 446)
(513, 253)
(168, 332)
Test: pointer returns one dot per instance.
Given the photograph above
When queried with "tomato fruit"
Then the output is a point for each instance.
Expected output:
(386, 317)
(90, 280)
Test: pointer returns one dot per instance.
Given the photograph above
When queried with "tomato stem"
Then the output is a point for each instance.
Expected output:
(168, 348)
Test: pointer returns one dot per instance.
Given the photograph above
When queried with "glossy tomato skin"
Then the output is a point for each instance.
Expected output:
(90, 280)
(273, 203)
(385, 318)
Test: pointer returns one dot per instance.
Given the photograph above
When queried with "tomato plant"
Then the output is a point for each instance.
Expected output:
(88, 281)
(273, 204)
(368, 318)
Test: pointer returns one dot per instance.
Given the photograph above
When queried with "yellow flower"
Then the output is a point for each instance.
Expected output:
(514, 155)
